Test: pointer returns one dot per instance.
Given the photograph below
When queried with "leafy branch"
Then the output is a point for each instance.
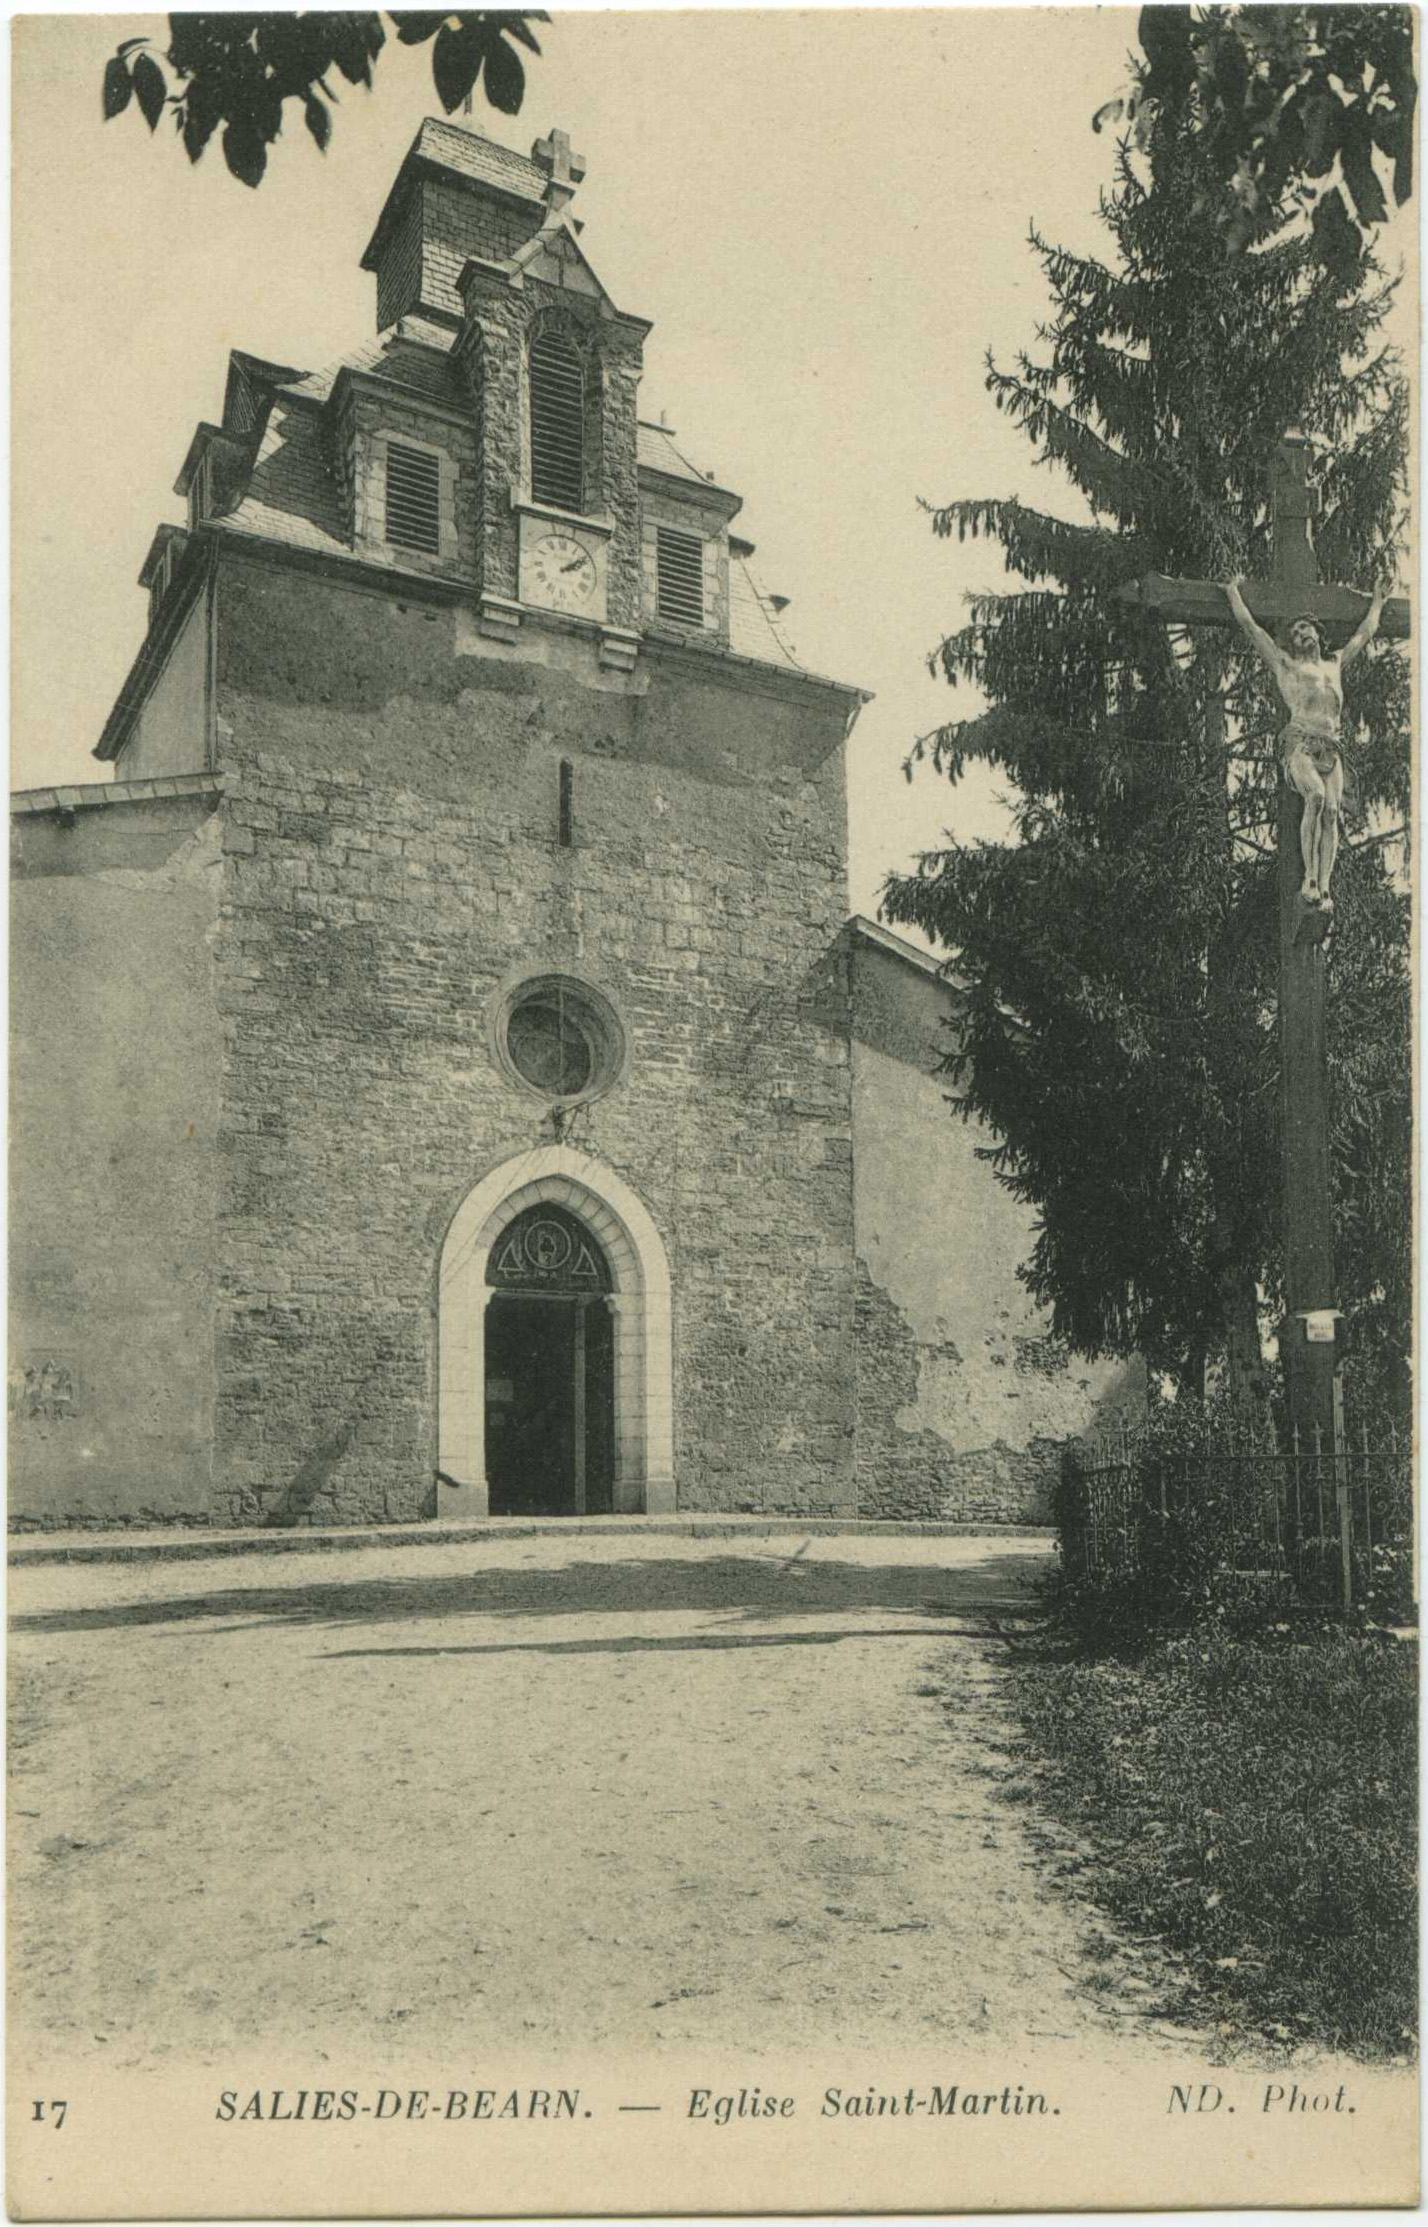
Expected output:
(238, 72)
(1306, 107)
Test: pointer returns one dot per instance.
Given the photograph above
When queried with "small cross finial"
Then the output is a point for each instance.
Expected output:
(562, 167)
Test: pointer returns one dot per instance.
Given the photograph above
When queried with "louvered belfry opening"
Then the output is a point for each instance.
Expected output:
(413, 499)
(557, 423)
(680, 570)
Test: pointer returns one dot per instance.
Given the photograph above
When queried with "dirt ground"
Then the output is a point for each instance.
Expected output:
(750, 1794)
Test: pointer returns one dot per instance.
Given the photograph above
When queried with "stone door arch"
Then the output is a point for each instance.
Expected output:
(639, 1301)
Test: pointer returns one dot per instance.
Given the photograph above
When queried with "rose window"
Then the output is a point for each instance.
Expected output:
(562, 1039)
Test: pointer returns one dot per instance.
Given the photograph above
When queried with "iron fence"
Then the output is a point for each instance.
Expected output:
(1328, 1518)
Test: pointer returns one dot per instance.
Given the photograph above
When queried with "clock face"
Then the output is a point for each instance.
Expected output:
(562, 573)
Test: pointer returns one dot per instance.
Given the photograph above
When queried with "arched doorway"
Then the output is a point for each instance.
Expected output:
(637, 1307)
(550, 1376)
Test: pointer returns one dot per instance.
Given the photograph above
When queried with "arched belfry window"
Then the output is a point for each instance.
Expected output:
(557, 423)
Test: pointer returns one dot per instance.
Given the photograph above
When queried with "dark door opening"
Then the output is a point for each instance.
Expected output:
(550, 1377)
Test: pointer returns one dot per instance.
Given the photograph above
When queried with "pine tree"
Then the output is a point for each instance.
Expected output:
(1115, 959)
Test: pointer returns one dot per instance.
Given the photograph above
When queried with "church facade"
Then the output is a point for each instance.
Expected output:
(446, 1080)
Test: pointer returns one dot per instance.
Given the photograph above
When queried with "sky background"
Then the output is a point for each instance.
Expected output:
(824, 215)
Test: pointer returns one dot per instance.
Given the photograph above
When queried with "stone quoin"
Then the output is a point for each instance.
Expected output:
(446, 1079)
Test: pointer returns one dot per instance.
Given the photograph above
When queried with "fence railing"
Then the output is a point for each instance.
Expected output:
(1322, 1516)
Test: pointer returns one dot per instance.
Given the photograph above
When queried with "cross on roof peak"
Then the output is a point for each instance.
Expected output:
(562, 166)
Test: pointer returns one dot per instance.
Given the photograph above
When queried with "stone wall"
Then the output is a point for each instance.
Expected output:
(964, 1399)
(491, 355)
(392, 863)
(114, 1175)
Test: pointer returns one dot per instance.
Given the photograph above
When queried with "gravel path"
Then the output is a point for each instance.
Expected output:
(589, 1790)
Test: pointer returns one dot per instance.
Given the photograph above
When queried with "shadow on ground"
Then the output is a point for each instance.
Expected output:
(755, 1586)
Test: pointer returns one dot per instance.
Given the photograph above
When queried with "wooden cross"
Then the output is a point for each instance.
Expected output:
(564, 169)
(1308, 1342)
(1293, 589)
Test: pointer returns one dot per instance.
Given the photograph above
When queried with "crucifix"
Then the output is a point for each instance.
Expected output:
(1311, 783)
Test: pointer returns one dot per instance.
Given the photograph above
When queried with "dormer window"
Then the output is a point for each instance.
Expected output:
(413, 509)
(679, 576)
(557, 391)
(404, 499)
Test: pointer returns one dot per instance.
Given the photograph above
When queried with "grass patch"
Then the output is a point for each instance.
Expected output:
(1252, 1801)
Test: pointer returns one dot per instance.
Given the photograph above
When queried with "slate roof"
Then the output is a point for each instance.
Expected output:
(471, 156)
(85, 795)
(293, 495)
(658, 453)
(408, 354)
(912, 955)
(475, 156)
(753, 622)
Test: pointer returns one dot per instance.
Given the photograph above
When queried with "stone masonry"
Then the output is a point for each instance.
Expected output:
(363, 794)
(390, 860)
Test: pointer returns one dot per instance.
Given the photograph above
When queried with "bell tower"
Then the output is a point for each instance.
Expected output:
(552, 370)
(564, 512)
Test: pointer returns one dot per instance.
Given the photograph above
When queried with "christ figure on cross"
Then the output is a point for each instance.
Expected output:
(1311, 689)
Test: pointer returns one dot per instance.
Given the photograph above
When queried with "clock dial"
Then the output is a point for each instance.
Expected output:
(562, 573)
